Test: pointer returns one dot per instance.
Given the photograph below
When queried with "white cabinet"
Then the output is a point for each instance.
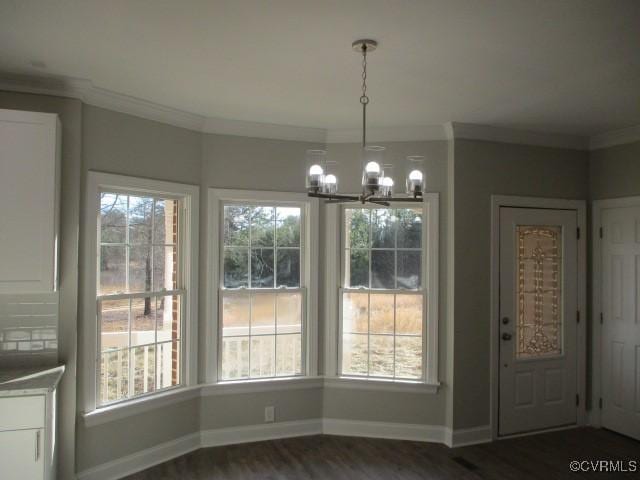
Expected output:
(27, 432)
(21, 454)
(29, 195)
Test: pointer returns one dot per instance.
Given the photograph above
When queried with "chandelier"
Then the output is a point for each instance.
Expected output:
(378, 185)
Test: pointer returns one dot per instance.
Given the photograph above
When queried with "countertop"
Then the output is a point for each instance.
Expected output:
(29, 381)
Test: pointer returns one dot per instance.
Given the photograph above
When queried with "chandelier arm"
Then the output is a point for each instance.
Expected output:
(395, 199)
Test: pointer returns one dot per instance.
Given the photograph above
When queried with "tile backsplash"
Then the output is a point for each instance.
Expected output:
(28, 329)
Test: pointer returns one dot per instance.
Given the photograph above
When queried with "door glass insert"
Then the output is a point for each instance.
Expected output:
(539, 291)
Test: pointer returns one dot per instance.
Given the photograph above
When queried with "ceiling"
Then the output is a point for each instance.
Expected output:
(570, 67)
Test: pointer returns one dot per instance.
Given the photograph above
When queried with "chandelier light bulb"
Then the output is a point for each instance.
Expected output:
(372, 167)
(330, 179)
(387, 182)
(316, 170)
(416, 175)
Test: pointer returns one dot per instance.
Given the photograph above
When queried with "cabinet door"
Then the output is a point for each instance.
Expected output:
(29, 193)
(21, 454)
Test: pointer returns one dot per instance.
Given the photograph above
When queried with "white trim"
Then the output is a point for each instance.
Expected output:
(142, 459)
(468, 436)
(258, 385)
(580, 206)
(616, 137)
(333, 281)
(258, 433)
(598, 206)
(473, 131)
(216, 197)
(395, 431)
(189, 251)
(87, 92)
(169, 397)
(255, 433)
(376, 384)
(332, 268)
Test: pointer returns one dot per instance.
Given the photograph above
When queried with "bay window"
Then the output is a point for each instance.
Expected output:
(263, 309)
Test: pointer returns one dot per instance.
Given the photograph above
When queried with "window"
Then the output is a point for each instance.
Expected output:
(383, 299)
(263, 271)
(145, 262)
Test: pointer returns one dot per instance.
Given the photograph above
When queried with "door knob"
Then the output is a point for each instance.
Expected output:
(505, 320)
(506, 336)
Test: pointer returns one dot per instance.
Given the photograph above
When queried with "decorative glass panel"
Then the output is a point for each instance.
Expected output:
(539, 291)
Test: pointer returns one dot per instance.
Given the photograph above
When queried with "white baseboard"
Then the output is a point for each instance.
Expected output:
(270, 431)
(468, 436)
(143, 459)
(258, 433)
(397, 431)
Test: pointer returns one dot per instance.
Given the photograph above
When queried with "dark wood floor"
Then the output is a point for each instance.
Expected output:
(545, 456)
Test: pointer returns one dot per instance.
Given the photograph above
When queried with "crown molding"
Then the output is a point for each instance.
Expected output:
(85, 91)
(223, 126)
(616, 137)
(473, 131)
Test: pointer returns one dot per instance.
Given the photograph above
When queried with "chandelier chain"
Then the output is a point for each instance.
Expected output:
(364, 99)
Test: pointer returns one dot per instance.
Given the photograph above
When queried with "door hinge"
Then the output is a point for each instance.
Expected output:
(601, 318)
(600, 403)
(578, 233)
(601, 232)
(577, 399)
(577, 316)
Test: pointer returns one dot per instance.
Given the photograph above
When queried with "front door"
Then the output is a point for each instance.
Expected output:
(621, 320)
(538, 316)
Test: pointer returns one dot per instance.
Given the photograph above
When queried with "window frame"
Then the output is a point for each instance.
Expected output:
(218, 198)
(335, 278)
(187, 249)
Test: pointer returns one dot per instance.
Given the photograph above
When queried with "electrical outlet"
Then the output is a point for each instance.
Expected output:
(269, 414)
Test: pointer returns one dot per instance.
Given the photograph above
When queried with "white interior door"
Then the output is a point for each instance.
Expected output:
(621, 320)
(538, 316)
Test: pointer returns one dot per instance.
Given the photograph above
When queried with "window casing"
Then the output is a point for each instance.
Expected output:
(263, 295)
(383, 296)
(141, 239)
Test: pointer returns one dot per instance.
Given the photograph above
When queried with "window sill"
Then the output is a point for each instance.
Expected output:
(261, 385)
(136, 406)
(355, 383)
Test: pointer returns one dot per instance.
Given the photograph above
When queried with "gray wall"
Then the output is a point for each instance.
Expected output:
(483, 169)
(118, 143)
(70, 112)
(425, 409)
(99, 139)
(615, 171)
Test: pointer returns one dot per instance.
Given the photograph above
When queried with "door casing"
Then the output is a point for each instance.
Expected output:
(580, 206)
